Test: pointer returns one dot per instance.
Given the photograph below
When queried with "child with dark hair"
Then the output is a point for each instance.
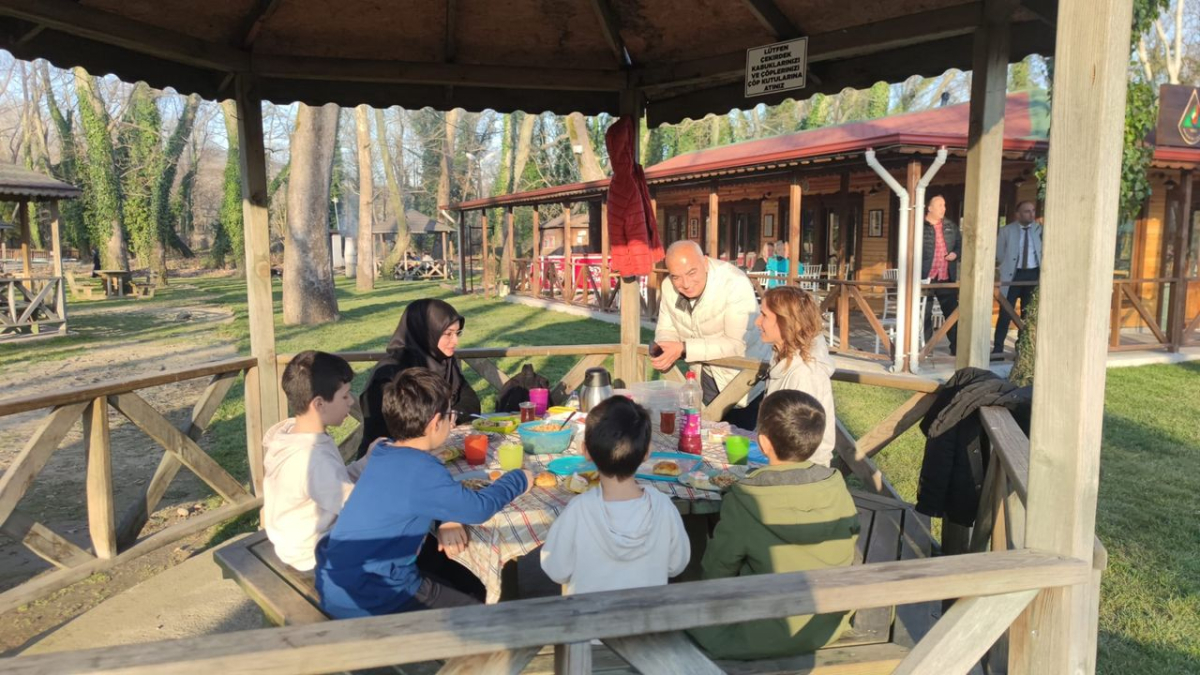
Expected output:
(368, 565)
(306, 481)
(620, 535)
(790, 516)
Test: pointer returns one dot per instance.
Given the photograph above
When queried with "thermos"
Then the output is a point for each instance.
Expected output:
(597, 386)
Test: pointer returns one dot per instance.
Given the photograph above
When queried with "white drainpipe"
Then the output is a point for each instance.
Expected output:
(902, 263)
(918, 324)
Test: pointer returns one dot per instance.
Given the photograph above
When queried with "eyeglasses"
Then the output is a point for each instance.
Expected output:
(451, 415)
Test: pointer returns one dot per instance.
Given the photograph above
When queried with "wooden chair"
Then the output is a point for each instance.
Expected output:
(79, 291)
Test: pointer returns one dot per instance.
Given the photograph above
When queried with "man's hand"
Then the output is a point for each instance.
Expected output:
(951, 257)
(452, 538)
(671, 351)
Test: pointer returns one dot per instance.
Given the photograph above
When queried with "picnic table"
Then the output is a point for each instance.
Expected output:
(115, 281)
(521, 527)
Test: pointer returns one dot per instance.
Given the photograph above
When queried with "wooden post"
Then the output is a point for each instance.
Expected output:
(916, 228)
(1179, 293)
(653, 281)
(535, 273)
(509, 249)
(485, 253)
(102, 524)
(605, 250)
(568, 287)
(985, 154)
(714, 222)
(462, 251)
(259, 298)
(26, 254)
(1084, 171)
(56, 242)
(794, 236)
(627, 368)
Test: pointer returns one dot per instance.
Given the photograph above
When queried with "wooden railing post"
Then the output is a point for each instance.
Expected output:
(101, 514)
(1179, 290)
(535, 269)
(254, 430)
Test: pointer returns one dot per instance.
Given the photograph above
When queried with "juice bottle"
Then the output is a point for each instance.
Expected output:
(689, 416)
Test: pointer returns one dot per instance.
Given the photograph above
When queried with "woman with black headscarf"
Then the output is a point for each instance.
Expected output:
(426, 337)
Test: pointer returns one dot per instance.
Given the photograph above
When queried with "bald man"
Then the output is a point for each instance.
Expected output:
(704, 313)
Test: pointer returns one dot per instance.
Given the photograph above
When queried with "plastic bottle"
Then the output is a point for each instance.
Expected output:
(690, 399)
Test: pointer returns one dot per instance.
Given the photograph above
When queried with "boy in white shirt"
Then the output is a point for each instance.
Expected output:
(306, 480)
(620, 535)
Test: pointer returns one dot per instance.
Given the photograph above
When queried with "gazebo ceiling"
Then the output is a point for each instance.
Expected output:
(686, 56)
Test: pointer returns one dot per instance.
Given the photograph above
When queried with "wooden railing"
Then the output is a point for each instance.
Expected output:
(31, 305)
(116, 539)
(1134, 294)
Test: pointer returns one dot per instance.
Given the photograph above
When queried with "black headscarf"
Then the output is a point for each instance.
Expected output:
(414, 344)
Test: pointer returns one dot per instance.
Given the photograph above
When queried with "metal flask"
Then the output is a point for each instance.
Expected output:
(597, 386)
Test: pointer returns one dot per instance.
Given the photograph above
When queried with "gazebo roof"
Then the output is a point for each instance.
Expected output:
(686, 56)
(19, 183)
(418, 223)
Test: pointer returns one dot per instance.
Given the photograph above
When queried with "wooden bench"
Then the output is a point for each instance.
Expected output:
(878, 640)
(80, 291)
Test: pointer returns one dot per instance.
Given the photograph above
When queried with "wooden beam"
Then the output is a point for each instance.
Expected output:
(488, 371)
(573, 658)
(894, 425)
(795, 220)
(509, 249)
(713, 227)
(773, 19)
(29, 462)
(568, 256)
(1179, 293)
(610, 28)
(23, 224)
(44, 542)
(485, 256)
(353, 644)
(56, 245)
(665, 653)
(100, 512)
(535, 271)
(738, 387)
(80, 20)
(1083, 175)
(981, 208)
(1045, 10)
(450, 49)
(254, 22)
(964, 634)
(259, 295)
(605, 254)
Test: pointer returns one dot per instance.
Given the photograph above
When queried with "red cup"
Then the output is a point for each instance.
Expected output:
(476, 446)
(666, 422)
(528, 412)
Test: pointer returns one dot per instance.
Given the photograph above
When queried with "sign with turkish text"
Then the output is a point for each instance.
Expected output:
(777, 67)
(1178, 117)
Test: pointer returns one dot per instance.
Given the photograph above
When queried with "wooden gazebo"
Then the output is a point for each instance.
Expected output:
(669, 60)
(31, 304)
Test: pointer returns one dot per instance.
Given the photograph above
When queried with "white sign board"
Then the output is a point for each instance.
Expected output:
(774, 68)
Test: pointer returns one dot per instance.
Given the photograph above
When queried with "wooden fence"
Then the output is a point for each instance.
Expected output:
(32, 305)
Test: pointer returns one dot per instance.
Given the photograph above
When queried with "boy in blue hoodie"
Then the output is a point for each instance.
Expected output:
(368, 564)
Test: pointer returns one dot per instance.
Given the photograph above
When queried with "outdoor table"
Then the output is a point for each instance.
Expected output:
(522, 526)
(115, 281)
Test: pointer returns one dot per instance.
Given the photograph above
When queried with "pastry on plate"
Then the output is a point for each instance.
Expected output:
(583, 481)
(723, 480)
(546, 480)
(666, 468)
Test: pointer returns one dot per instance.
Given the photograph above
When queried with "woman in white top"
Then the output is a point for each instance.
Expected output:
(790, 322)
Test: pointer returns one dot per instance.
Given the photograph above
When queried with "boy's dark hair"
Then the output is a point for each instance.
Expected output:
(795, 423)
(617, 436)
(313, 374)
(411, 400)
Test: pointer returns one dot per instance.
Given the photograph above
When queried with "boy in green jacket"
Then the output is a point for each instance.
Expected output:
(790, 516)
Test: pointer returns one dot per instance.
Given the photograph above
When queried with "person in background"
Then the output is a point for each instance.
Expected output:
(778, 266)
(760, 264)
(95, 262)
(750, 261)
(789, 516)
(941, 243)
(426, 337)
(1019, 258)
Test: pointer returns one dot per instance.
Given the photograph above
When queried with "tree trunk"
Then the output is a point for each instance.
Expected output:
(102, 190)
(161, 197)
(308, 290)
(447, 165)
(589, 166)
(74, 229)
(395, 190)
(365, 278)
(229, 236)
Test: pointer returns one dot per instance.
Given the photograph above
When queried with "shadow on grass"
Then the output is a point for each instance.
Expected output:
(1120, 655)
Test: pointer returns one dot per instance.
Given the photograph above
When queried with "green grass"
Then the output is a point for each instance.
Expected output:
(1148, 504)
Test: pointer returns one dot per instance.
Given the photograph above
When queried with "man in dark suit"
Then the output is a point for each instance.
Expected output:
(942, 244)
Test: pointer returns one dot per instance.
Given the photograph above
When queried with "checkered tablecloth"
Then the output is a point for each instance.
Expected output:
(522, 526)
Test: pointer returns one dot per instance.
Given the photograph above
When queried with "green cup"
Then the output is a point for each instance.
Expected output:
(737, 448)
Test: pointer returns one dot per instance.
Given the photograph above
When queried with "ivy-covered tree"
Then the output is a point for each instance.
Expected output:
(228, 239)
(102, 186)
(74, 231)
(139, 159)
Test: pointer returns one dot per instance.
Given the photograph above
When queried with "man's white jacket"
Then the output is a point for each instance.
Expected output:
(720, 325)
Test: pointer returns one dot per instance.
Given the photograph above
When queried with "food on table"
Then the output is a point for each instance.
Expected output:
(666, 468)
(698, 480)
(494, 474)
(546, 480)
(450, 453)
(476, 483)
(547, 428)
(723, 480)
(583, 481)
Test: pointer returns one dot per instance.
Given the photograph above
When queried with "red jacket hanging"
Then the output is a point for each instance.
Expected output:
(632, 225)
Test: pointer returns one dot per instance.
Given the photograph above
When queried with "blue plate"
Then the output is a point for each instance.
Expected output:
(756, 456)
(565, 466)
(685, 461)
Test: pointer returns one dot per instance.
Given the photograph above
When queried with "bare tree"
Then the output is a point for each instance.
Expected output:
(447, 165)
(1172, 49)
(581, 142)
(308, 290)
(365, 276)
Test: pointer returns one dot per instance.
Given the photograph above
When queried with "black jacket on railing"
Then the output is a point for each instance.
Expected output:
(957, 450)
(953, 237)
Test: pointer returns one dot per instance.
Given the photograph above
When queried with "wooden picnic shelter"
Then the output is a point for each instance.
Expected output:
(32, 303)
(1033, 573)
(419, 225)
